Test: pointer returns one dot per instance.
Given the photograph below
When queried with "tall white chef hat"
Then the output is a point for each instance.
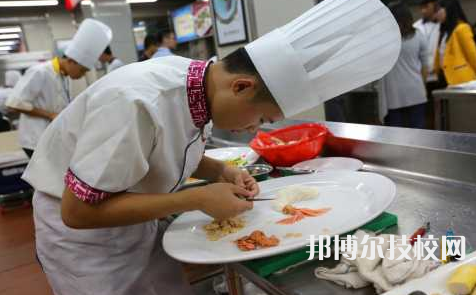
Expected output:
(89, 42)
(335, 47)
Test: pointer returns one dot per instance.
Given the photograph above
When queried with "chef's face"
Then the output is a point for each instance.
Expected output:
(75, 70)
(242, 106)
(104, 58)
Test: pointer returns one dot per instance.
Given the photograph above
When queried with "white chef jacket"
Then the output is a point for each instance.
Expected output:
(41, 87)
(115, 64)
(431, 33)
(128, 131)
(4, 93)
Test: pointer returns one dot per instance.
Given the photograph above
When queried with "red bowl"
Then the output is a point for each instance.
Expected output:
(309, 137)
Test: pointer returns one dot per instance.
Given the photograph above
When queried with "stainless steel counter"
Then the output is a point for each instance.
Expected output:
(454, 109)
(417, 201)
(435, 174)
(454, 94)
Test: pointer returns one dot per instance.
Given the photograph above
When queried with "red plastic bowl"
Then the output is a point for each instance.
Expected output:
(310, 139)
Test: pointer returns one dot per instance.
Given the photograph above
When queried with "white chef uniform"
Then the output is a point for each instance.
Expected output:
(4, 93)
(127, 132)
(115, 64)
(44, 87)
(41, 87)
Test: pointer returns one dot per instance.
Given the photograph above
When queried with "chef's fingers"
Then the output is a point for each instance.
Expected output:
(252, 185)
(238, 180)
(240, 191)
(245, 206)
(254, 189)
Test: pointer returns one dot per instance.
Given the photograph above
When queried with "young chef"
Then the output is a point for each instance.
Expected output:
(43, 91)
(113, 161)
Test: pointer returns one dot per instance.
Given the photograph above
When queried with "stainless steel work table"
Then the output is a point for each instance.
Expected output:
(442, 97)
(435, 174)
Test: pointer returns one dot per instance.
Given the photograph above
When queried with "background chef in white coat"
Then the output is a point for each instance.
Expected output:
(112, 63)
(44, 90)
(114, 158)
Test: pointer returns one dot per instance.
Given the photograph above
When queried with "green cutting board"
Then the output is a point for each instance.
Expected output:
(267, 266)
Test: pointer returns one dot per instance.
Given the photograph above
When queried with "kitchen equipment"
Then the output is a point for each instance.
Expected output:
(300, 142)
(259, 171)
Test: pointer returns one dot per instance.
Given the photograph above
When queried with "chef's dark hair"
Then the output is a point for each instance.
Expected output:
(423, 2)
(404, 18)
(163, 34)
(239, 62)
(149, 41)
(454, 15)
(108, 51)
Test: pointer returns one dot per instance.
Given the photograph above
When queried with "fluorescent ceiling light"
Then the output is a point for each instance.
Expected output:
(9, 36)
(7, 43)
(3, 48)
(24, 3)
(88, 2)
(140, 1)
(10, 30)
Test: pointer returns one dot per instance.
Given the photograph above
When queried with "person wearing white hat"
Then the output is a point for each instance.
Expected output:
(44, 90)
(113, 162)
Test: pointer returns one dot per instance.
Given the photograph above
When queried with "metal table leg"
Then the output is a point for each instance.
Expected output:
(233, 281)
(445, 115)
(263, 284)
(438, 114)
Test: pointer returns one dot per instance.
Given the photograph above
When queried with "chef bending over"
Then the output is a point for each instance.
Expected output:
(108, 169)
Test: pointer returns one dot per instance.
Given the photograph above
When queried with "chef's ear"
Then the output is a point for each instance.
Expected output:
(244, 87)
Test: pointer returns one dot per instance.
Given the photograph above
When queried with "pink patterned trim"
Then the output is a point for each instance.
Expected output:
(197, 100)
(82, 190)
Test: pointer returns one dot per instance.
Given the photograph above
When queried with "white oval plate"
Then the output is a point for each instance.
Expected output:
(331, 164)
(355, 197)
(230, 153)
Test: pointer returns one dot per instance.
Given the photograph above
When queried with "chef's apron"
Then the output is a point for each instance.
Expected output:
(125, 260)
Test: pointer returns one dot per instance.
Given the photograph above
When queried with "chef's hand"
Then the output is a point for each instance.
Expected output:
(221, 201)
(240, 178)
